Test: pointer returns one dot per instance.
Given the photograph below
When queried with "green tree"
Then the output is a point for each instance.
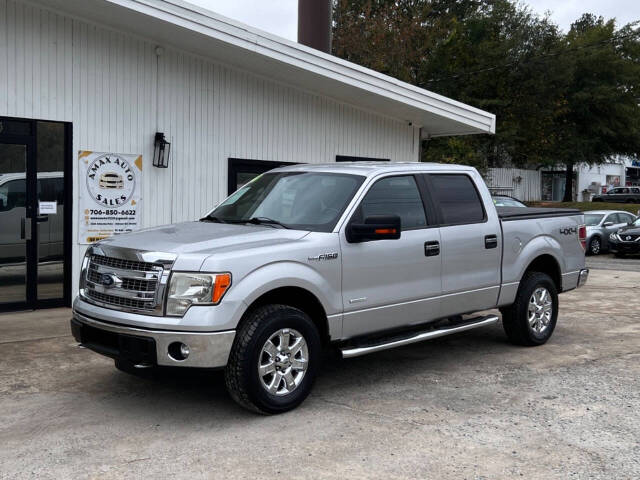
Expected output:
(557, 97)
(601, 118)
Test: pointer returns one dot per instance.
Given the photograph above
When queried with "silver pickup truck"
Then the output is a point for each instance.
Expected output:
(360, 256)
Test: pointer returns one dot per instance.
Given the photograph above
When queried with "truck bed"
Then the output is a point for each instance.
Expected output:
(518, 213)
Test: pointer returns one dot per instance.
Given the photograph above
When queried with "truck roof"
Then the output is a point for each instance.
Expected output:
(372, 168)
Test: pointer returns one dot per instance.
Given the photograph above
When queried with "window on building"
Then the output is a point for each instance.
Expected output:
(347, 158)
(458, 199)
(242, 171)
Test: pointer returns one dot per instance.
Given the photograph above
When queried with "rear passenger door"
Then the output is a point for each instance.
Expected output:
(471, 244)
(391, 283)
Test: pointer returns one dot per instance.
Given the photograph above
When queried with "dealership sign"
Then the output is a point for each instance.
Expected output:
(110, 187)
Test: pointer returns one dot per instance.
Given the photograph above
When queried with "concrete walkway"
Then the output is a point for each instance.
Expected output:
(466, 406)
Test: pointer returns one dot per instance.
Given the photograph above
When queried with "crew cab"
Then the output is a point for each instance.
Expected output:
(358, 256)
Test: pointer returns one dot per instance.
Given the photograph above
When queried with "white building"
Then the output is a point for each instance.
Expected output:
(83, 76)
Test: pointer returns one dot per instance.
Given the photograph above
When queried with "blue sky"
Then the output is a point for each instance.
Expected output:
(280, 16)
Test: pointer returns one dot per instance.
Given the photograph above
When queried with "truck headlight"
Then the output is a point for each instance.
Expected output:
(614, 237)
(186, 289)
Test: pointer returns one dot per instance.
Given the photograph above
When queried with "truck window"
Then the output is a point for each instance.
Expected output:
(458, 199)
(394, 196)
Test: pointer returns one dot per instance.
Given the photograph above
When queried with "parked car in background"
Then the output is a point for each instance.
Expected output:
(507, 201)
(619, 195)
(626, 240)
(601, 224)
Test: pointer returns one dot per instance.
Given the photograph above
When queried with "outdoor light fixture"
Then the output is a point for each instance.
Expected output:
(161, 151)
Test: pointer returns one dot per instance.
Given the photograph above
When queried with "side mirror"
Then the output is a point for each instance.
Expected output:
(375, 227)
(608, 224)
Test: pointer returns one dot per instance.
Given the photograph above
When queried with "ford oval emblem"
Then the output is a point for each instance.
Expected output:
(107, 280)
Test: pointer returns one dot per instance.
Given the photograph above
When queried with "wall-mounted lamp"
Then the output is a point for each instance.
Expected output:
(161, 151)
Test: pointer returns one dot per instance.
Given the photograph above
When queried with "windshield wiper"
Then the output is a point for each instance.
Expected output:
(212, 218)
(266, 221)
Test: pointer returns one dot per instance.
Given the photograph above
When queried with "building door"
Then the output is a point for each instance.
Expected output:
(35, 188)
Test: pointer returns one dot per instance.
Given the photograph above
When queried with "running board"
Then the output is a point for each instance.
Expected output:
(349, 352)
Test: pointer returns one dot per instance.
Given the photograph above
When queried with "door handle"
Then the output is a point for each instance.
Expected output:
(42, 218)
(25, 229)
(431, 249)
(490, 241)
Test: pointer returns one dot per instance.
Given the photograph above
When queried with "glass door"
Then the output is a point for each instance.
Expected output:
(15, 224)
(35, 227)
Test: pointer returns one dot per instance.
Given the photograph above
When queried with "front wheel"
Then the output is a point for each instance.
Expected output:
(595, 246)
(274, 359)
(532, 318)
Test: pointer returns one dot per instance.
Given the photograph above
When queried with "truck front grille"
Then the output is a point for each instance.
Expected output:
(123, 264)
(122, 284)
(120, 301)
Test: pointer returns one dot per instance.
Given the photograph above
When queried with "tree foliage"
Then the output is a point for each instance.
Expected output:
(559, 98)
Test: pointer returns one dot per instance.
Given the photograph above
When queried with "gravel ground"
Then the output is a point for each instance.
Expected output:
(610, 262)
(466, 406)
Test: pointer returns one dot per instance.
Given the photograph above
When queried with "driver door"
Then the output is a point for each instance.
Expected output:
(391, 283)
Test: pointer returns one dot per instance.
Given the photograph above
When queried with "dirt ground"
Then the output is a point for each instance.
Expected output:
(466, 406)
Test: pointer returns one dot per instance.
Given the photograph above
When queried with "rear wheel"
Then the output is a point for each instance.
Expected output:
(274, 359)
(532, 318)
(595, 246)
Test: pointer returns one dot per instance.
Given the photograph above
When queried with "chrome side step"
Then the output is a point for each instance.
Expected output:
(349, 352)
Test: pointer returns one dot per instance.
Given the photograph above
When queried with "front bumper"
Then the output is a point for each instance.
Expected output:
(151, 347)
(624, 247)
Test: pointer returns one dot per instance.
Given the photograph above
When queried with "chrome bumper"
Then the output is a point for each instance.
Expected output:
(583, 276)
(206, 349)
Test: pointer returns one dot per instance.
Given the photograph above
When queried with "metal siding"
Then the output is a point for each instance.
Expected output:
(106, 83)
(502, 181)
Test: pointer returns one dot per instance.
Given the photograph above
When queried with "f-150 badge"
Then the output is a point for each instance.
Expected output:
(324, 256)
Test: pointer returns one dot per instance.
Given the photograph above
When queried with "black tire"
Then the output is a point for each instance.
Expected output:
(595, 246)
(241, 373)
(515, 318)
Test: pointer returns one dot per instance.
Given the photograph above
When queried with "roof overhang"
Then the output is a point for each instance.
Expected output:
(184, 26)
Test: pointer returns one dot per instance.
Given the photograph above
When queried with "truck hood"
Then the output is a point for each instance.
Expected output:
(203, 238)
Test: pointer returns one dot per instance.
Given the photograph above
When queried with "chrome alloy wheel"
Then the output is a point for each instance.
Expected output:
(283, 361)
(595, 246)
(540, 310)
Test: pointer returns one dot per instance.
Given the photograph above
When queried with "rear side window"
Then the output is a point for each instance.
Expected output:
(394, 196)
(458, 199)
(625, 218)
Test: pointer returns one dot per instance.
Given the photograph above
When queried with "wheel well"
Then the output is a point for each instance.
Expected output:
(547, 264)
(298, 298)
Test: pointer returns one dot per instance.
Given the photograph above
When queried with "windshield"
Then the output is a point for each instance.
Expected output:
(507, 202)
(592, 219)
(301, 200)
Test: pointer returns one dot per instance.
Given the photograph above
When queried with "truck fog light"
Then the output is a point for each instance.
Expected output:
(179, 351)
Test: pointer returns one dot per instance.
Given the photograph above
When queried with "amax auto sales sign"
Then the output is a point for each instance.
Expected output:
(110, 187)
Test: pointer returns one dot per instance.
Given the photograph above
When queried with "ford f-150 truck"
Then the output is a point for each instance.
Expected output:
(360, 256)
